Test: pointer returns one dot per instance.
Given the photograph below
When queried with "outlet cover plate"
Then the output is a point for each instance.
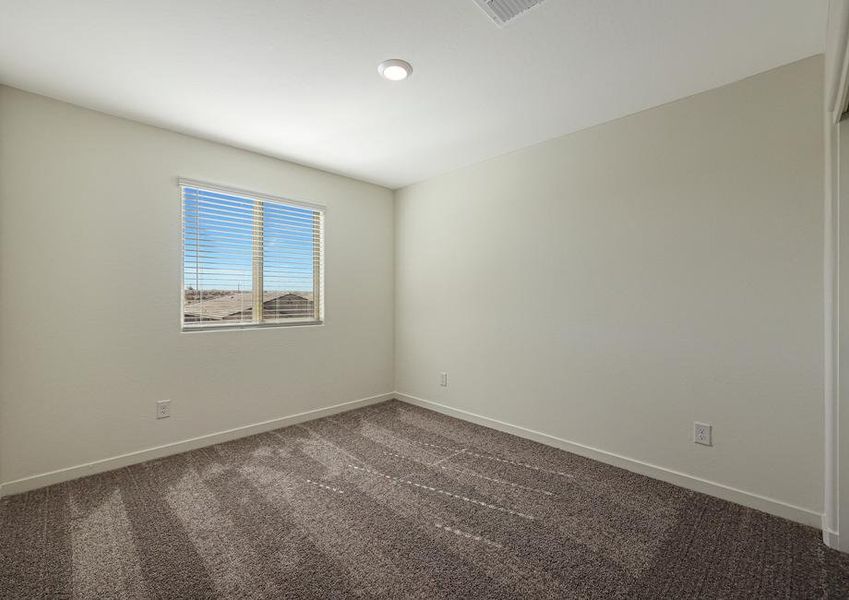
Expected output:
(163, 409)
(702, 433)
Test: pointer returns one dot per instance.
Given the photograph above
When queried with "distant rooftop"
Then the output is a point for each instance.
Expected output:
(223, 307)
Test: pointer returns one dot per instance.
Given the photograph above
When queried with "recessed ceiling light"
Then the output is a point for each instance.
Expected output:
(395, 69)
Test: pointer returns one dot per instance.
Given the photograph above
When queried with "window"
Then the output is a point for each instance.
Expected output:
(249, 260)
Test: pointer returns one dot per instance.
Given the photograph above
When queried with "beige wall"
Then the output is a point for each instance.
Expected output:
(612, 286)
(90, 292)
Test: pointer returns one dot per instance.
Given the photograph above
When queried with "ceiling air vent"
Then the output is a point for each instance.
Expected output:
(504, 11)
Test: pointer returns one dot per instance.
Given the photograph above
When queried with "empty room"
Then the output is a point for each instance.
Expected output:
(454, 299)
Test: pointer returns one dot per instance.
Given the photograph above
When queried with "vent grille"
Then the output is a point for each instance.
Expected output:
(504, 11)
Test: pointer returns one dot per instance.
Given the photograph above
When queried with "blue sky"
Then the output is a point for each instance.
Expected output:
(218, 248)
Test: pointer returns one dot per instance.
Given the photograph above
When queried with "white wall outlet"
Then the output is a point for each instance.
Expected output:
(163, 409)
(443, 381)
(702, 433)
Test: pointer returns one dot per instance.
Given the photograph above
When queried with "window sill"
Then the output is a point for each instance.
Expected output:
(244, 326)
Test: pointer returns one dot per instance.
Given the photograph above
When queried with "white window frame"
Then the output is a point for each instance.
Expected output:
(318, 282)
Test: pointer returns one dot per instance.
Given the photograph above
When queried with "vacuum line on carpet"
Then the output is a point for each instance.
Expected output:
(501, 460)
(445, 493)
(466, 534)
(473, 474)
(449, 457)
(326, 487)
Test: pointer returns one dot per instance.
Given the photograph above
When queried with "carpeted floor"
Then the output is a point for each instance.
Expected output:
(393, 501)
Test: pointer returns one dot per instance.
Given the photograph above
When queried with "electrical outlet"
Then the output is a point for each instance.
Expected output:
(702, 434)
(443, 380)
(163, 409)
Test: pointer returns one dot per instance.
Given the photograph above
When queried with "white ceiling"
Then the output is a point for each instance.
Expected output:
(297, 79)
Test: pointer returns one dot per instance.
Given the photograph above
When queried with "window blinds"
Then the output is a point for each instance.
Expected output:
(249, 259)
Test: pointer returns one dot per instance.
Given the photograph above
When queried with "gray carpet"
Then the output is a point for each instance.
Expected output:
(393, 501)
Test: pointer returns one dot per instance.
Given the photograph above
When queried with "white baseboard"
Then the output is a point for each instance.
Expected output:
(756, 501)
(116, 462)
(829, 537)
(769, 505)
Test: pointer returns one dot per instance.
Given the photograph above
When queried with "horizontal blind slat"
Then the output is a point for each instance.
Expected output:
(245, 219)
(223, 256)
(235, 240)
(210, 225)
(237, 208)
